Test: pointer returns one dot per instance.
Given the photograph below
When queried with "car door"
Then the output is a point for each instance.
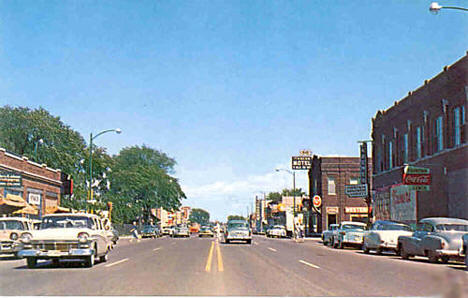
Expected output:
(371, 236)
(415, 242)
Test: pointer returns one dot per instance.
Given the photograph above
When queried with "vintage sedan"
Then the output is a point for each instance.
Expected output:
(277, 231)
(205, 231)
(383, 235)
(328, 235)
(438, 238)
(149, 231)
(11, 228)
(181, 231)
(349, 233)
(67, 236)
(237, 230)
(465, 248)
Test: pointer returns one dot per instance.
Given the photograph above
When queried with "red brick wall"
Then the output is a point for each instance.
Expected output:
(35, 176)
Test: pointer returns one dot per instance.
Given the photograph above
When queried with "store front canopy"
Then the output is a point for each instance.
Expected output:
(30, 209)
(11, 203)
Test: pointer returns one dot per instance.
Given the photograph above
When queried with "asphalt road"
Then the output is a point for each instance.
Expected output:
(272, 267)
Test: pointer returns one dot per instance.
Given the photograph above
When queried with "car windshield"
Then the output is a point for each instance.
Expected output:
(51, 222)
(352, 227)
(452, 227)
(238, 225)
(394, 227)
(11, 225)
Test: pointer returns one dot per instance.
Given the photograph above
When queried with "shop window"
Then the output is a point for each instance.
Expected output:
(331, 186)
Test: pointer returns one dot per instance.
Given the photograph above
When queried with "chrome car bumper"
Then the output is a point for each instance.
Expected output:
(9, 247)
(76, 252)
(447, 252)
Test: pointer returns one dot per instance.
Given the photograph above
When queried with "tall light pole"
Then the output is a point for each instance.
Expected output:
(294, 198)
(435, 7)
(91, 138)
(41, 141)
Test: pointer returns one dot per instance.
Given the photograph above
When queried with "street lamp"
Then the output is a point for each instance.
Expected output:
(41, 141)
(435, 7)
(91, 138)
(294, 198)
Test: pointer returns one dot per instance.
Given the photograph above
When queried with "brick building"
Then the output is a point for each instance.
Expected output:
(328, 177)
(425, 129)
(41, 186)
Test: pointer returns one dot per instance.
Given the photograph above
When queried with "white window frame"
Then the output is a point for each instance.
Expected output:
(330, 182)
(440, 133)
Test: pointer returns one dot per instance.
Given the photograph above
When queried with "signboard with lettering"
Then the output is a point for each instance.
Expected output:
(332, 210)
(418, 178)
(317, 201)
(363, 165)
(356, 209)
(34, 198)
(403, 203)
(301, 162)
(356, 190)
(10, 179)
(382, 203)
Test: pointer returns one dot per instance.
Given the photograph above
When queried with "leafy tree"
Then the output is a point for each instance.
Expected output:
(199, 216)
(235, 217)
(140, 181)
(274, 196)
(289, 192)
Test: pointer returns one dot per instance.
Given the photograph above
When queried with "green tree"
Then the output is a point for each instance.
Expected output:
(199, 216)
(274, 196)
(140, 181)
(235, 217)
(289, 192)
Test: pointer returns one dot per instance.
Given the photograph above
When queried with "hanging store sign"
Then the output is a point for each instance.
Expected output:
(356, 190)
(363, 166)
(34, 198)
(332, 210)
(301, 162)
(415, 176)
(356, 209)
(10, 179)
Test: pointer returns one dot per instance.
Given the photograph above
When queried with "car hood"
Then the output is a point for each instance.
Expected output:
(5, 234)
(59, 233)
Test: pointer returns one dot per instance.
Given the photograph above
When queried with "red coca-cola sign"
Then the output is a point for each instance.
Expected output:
(417, 179)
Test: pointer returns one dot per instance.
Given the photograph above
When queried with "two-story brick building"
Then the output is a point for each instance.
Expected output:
(425, 129)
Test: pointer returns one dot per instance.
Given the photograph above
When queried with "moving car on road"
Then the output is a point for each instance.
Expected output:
(238, 230)
(67, 236)
(383, 235)
(435, 238)
(349, 233)
(205, 231)
(327, 236)
(277, 231)
(11, 228)
(149, 231)
(181, 231)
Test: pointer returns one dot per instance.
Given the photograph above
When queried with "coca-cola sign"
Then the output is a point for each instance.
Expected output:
(417, 179)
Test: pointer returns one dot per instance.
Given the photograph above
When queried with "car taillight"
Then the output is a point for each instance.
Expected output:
(443, 244)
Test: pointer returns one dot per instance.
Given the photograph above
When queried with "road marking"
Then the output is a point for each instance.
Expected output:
(157, 248)
(220, 258)
(115, 263)
(210, 257)
(272, 249)
(255, 243)
(309, 264)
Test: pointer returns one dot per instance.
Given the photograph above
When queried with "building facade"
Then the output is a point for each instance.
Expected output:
(40, 187)
(328, 177)
(425, 129)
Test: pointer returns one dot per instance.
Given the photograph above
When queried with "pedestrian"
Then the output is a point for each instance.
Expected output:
(134, 232)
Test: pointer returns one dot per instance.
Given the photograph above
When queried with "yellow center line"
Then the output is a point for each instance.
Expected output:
(210, 257)
(220, 258)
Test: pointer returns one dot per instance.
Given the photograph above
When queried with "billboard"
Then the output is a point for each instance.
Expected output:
(403, 203)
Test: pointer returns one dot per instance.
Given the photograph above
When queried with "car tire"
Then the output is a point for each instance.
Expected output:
(249, 241)
(55, 262)
(404, 255)
(378, 251)
(466, 259)
(339, 245)
(365, 249)
(226, 241)
(445, 259)
(103, 258)
(433, 258)
(31, 262)
(89, 261)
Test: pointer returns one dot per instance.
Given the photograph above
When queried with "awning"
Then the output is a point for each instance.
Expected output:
(11, 203)
(30, 209)
(57, 209)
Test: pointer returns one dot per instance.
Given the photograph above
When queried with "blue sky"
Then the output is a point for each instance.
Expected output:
(230, 89)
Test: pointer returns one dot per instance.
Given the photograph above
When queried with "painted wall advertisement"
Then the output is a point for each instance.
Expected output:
(403, 203)
(382, 204)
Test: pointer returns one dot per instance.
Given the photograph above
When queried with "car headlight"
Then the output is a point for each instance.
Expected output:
(83, 237)
(13, 236)
(25, 238)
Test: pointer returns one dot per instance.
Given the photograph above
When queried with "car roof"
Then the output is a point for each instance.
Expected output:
(445, 220)
(72, 214)
(389, 222)
(353, 223)
(15, 218)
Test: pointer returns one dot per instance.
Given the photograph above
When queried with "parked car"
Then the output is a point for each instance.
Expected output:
(67, 236)
(435, 238)
(277, 231)
(349, 233)
(237, 230)
(327, 235)
(383, 235)
(181, 231)
(149, 231)
(205, 231)
(11, 228)
(465, 249)
(166, 230)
